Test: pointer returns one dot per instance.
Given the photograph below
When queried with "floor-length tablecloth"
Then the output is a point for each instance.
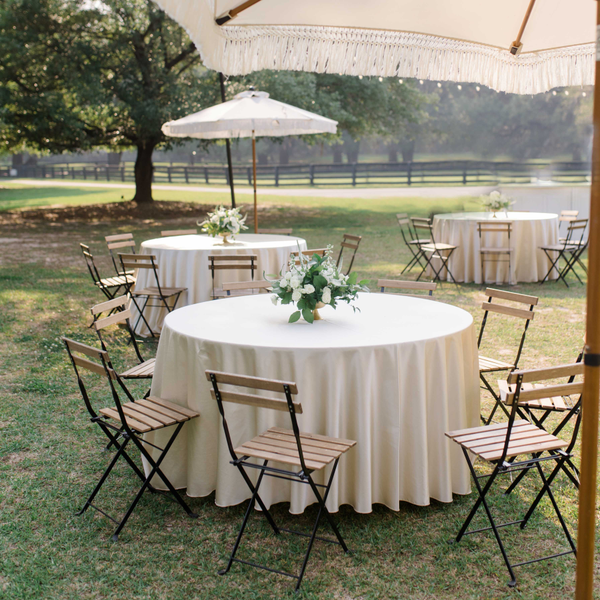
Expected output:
(183, 262)
(529, 232)
(394, 376)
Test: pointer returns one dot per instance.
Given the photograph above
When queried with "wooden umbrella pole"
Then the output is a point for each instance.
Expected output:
(254, 178)
(591, 386)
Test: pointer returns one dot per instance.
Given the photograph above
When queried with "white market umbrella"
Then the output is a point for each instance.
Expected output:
(250, 114)
(516, 46)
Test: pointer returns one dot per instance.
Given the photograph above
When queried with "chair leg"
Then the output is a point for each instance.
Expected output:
(481, 500)
(142, 317)
(553, 265)
(498, 402)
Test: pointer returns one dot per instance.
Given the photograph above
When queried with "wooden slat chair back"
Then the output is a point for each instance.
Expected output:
(116, 243)
(570, 249)
(308, 253)
(110, 286)
(303, 453)
(432, 250)
(152, 296)
(126, 422)
(282, 231)
(491, 365)
(411, 242)
(351, 242)
(247, 287)
(230, 262)
(103, 318)
(502, 444)
(500, 249)
(395, 284)
(175, 232)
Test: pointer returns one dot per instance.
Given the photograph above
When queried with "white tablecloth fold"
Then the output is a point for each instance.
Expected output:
(394, 376)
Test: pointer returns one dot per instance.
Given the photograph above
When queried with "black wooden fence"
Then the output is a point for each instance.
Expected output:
(455, 172)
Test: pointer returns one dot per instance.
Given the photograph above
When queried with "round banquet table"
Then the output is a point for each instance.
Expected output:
(183, 262)
(394, 377)
(530, 231)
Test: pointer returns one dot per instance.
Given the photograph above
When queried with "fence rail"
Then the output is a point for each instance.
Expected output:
(456, 172)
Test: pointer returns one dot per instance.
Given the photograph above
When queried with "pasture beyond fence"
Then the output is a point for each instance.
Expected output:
(456, 172)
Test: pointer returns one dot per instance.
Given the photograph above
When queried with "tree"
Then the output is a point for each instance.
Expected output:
(110, 75)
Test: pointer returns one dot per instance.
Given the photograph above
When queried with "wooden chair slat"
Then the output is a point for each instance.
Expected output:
(253, 400)
(117, 245)
(92, 366)
(85, 349)
(241, 257)
(109, 305)
(512, 296)
(459, 432)
(508, 310)
(175, 232)
(186, 412)
(119, 317)
(276, 231)
(314, 436)
(293, 453)
(138, 416)
(539, 447)
(259, 383)
(238, 267)
(133, 423)
(531, 375)
(267, 455)
(277, 442)
(331, 445)
(565, 389)
(162, 410)
(148, 412)
(118, 237)
(407, 285)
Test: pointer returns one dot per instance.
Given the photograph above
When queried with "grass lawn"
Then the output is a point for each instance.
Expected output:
(50, 455)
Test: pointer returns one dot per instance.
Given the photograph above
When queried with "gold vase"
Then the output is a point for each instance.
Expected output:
(316, 315)
(225, 236)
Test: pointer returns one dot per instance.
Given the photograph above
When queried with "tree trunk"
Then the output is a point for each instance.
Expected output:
(338, 157)
(285, 151)
(407, 148)
(143, 172)
(393, 153)
(352, 149)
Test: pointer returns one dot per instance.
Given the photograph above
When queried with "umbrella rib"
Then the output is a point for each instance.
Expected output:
(234, 12)
(517, 45)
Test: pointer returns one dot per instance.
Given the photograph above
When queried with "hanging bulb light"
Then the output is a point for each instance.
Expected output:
(554, 92)
(584, 94)
(401, 80)
(477, 88)
(360, 76)
(421, 81)
(459, 86)
(566, 92)
(439, 84)
(381, 79)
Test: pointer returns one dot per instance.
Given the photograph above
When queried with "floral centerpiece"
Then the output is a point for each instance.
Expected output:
(224, 222)
(496, 201)
(312, 283)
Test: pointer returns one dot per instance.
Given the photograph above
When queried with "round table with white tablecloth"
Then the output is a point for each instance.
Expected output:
(529, 232)
(183, 262)
(394, 376)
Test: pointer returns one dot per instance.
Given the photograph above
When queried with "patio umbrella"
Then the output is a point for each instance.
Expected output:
(250, 114)
(517, 46)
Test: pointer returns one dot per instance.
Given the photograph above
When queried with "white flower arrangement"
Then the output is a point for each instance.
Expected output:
(496, 201)
(314, 280)
(224, 221)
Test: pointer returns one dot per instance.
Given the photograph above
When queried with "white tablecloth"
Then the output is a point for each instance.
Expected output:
(183, 262)
(394, 376)
(529, 232)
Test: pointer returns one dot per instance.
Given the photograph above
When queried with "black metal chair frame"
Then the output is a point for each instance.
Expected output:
(119, 436)
(501, 227)
(147, 261)
(303, 476)
(118, 242)
(436, 252)
(353, 244)
(242, 264)
(570, 246)
(503, 467)
(110, 286)
(486, 383)
(411, 244)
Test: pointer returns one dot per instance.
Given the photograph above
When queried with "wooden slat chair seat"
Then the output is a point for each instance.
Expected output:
(176, 232)
(501, 444)
(306, 452)
(245, 288)
(101, 314)
(493, 365)
(281, 231)
(396, 284)
(119, 242)
(109, 286)
(230, 262)
(351, 242)
(150, 296)
(431, 250)
(126, 422)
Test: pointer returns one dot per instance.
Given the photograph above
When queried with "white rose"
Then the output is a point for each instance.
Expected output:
(288, 275)
(296, 295)
(295, 283)
(308, 289)
(495, 195)
(283, 283)
(326, 298)
(214, 219)
(275, 300)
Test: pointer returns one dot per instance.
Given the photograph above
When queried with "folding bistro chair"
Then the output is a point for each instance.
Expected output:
(151, 296)
(229, 262)
(491, 365)
(246, 288)
(395, 284)
(306, 452)
(283, 231)
(124, 423)
(570, 250)
(411, 242)
(432, 250)
(110, 286)
(174, 232)
(118, 242)
(566, 216)
(500, 250)
(103, 318)
(351, 242)
(501, 445)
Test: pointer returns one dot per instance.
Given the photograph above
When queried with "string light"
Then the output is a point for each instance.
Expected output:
(401, 80)
(421, 81)
(381, 79)
(566, 92)
(554, 92)
(439, 84)
(584, 94)
(477, 88)
(459, 86)
(360, 76)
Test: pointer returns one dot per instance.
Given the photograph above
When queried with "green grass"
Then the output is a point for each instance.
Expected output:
(50, 455)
